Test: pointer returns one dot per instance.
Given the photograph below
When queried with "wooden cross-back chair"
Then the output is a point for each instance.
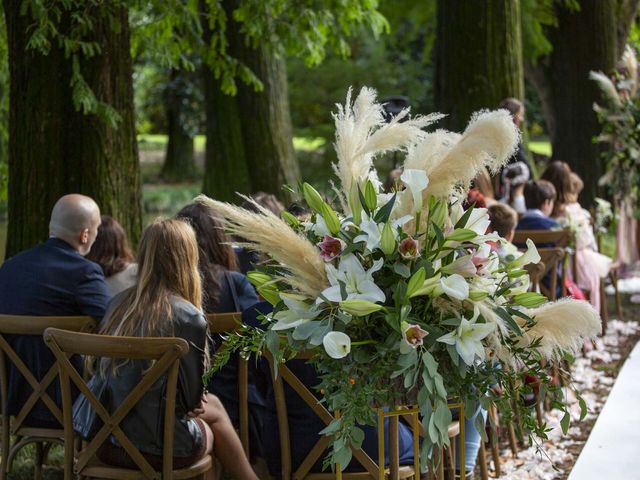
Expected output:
(35, 326)
(225, 323)
(164, 356)
(369, 469)
(552, 239)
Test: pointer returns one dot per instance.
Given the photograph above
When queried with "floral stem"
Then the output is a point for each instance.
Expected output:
(363, 342)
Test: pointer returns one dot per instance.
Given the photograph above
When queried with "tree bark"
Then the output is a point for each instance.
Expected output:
(583, 41)
(179, 162)
(627, 11)
(249, 136)
(54, 149)
(478, 57)
(266, 122)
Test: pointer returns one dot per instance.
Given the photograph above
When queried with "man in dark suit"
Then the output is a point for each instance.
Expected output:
(52, 279)
(539, 196)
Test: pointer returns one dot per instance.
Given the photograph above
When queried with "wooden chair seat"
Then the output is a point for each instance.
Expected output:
(26, 434)
(97, 469)
(403, 472)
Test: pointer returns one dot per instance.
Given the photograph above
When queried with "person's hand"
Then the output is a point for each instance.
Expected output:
(199, 409)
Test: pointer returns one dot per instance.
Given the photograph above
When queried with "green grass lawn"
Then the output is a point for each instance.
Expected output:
(540, 146)
(159, 141)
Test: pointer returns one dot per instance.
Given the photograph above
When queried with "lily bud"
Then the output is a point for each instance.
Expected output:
(370, 196)
(312, 197)
(330, 218)
(387, 240)
(354, 203)
(360, 308)
(258, 278)
(290, 219)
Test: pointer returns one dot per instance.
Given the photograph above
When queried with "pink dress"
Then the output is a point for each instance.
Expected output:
(591, 265)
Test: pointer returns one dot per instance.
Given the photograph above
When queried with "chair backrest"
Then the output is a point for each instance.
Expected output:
(369, 468)
(226, 323)
(33, 326)
(550, 258)
(164, 356)
(559, 238)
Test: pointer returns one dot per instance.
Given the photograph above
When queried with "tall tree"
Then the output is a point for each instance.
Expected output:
(71, 114)
(182, 126)
(478, 57)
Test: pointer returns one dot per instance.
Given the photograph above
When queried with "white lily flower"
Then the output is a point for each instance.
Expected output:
(455, 286)
(371, 232)
(319, 227)
(478, 221)
(530, 256)
(358, 282)
(467, 339)
(462, 265)
(337, 344)
(297, 313)
(416, 181)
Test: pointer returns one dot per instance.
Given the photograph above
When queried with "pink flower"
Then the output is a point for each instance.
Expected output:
(331, 248)
(409, 248)
(413, 335)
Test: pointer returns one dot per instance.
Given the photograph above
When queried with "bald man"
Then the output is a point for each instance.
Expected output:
(52, 278)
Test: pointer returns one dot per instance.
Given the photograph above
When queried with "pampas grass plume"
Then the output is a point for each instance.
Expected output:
(562, 326)
(607, 87)
(488, 141)
(264, 232)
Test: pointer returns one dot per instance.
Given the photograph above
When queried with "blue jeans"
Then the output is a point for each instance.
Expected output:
(472, 439)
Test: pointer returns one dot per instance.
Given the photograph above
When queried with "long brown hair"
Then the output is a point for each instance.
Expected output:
(111, 250)
(167, 266)
(216, 252)
(559, 174)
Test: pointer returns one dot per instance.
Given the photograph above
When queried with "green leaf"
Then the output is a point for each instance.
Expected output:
(564, 423)
(583, 407)
(290, 219)
(305, 330)
(430, 363)
(461, 235)
(464, 219)
(509, 321)
(382, 216)
(343, 457)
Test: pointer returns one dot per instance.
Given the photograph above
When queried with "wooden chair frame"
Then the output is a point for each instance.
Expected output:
(559, 239)
(549, 260)
(371, 470)
(33, 326)
(225, 323)
(165, 354)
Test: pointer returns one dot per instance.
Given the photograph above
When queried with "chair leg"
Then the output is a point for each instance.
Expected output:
(513, 441)
(39, 460)
(614, 281)
(482, 459)
(4, 462)
(495, 453)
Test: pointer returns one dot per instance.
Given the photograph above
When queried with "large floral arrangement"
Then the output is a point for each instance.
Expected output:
(402, 296)
(620, 120)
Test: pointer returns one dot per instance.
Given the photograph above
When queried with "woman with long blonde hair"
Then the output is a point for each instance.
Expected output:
(167, 301)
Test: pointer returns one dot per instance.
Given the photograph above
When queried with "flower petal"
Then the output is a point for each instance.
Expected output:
(337, 344)
(455, 286)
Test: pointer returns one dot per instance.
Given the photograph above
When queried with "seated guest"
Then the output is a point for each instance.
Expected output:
(539, 196)
(304, 423)
(165, 301)
(224, 290)
(248, 259)
(503, 221)
(111, 251)
(52, 279)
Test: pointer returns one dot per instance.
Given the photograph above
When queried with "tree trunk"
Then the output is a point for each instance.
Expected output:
(627, 12)
(249, 136)
(55, 150)
(478, 57)
(266, 122)
(178, 163)
(583, 41)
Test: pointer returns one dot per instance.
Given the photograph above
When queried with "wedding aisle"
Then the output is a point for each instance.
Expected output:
(594, 375)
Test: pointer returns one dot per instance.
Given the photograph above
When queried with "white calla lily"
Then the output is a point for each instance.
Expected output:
(416, 181)
(530, 256)
(455, 286)
(478, 221)
(467, 339)
(297, 312)
(358, 282)
(371, 232)
(337, 344)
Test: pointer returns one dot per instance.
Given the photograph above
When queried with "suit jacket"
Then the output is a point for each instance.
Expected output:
(49, 279)
(535, 220)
